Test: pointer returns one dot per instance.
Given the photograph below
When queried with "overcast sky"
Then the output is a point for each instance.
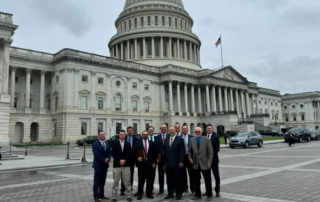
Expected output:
(275, 43)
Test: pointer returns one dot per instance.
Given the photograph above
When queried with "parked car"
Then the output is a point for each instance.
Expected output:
(271, 132)
(116, 138)
(315, 135)
(299, 134)
(232, 133)
(88, 140)
(245, 139)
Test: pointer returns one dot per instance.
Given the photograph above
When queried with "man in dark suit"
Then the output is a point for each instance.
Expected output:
(131, 140)
(122, 155)
(177, 129)
(187, 165)
(215, 160)
(174, 154)
(146, 167)
(102, 154)
(160, 141)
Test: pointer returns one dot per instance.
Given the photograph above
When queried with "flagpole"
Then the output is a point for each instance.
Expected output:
(221, 51)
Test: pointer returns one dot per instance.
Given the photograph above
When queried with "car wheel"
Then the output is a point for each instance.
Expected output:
(260, 144)
(246, 144)
(232, 147)
(300, 139)
(309, 139)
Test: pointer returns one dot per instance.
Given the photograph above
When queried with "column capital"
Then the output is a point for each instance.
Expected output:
(140, 80)
(76, 71)
(70, 70)
(93, 73)
(170, 81)
(43, 72)
(7, 42)
(13, 68)
(178, 82)
(28, 70)
(108, 75)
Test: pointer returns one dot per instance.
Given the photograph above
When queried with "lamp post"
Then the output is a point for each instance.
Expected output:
(242, 114)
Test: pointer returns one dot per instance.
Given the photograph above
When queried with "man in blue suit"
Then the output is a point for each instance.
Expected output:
(102, 154)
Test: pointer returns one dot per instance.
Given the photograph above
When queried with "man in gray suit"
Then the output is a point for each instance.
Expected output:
(200, 156)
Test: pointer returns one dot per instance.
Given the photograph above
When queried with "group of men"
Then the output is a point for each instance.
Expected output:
(175, 154)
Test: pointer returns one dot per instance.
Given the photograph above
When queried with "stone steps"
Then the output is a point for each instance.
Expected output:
(9, 157)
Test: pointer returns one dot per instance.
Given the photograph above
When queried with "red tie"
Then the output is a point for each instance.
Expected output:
(145, 147)
(163, 139)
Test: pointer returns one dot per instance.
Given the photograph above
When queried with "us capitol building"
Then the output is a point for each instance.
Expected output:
(153, 76)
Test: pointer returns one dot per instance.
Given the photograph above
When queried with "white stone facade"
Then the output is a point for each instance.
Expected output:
(71, 94)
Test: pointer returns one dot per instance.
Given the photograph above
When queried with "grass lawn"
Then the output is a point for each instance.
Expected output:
(265, 138)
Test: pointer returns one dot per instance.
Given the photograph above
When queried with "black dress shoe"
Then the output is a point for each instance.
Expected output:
(139, 197)
(96, 200)
(122, 193)
(150, 196)
(168, 197)
(178, 198)
(136, 194)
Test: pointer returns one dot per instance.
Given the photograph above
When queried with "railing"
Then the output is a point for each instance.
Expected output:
(260, 115)
(277, 123)
(224, 113)
(243, 123)
(31, 54)
(6, 17)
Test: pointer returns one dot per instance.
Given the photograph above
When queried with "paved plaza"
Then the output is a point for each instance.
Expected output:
(273, 173)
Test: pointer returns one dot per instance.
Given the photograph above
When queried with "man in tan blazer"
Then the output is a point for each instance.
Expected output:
(200, 156)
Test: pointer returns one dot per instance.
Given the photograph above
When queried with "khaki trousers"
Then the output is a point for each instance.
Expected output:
(124, 174)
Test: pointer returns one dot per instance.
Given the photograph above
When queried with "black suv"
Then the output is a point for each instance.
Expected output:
(299, 134)
(88, 140)
(116, 138)
(270, 132)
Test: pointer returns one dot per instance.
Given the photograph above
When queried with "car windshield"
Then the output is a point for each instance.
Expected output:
(243, 134)
(294, 130)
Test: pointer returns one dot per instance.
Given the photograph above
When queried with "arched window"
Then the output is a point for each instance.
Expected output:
(125, 26)
(142, 22)
(149, 21)
(156, 20)
(176, 23)
(118, 101)
(180, 24)
(129, 24)
(170, 22)
(163, 21)
(135, 23)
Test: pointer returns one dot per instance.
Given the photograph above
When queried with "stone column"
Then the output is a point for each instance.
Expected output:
(27, 97)
(43, 73)
(170, 97)
(178, 48)
(163, 98)
(193, 106)
(231, 100)
(199, 55)
(161, 47)
(252, 104)
(242, 103)
(170, 48)
(226, 99)
(199, 99)
(144, 48)
(117, 53)
(248, 104)
(195, 53)
(93, 90)
(237, 102)
(4, 94)
(152, 47)
(208, 98)
(76, 89)
(178, 97)
(220, 99)
(257, 105)
(135, 49)
(128, 50)
(186, 107)
(121, 51)
(141, 104)
(214, 101)
(190, 51)
(13, 85)
(185, 50)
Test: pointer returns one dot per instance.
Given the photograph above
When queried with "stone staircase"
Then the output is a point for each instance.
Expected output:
(258, 126)
(6, 156)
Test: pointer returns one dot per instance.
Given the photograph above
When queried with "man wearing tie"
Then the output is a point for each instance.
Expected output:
(215, 160)
(200, 156)
(146, 167)
(131, 140)
(102, 154)
(160, 141)
(187, 165)
(177, 129)
(174, 153)
(122, 155)
(151, 134)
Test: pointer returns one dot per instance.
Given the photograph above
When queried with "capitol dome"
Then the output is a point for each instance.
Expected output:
(157, 33)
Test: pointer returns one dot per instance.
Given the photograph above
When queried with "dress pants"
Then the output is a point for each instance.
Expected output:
(187, 166)
(161, 176)
(99, 180)
(225, 140)
(131, 179)
(174, 181)
(207, 179)
(122, 173)
(146, 173)
(215, 171)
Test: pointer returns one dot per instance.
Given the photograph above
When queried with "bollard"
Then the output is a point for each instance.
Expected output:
(84, 153)
(68, 151)
(26, 153)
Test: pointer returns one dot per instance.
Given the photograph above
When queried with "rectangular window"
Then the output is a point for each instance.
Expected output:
(157, 49)
(185, 26)
(31, 81)
(301, 106)
(134, 85)
(149, 21)
(146, 86)
(49, 82)
(302, 117)
(285, 107)
(84, 100)
(146, 107)
(271, 103)
(100, 80)
(135, 128)
(176, 23)
(170, 22)
(149, 49)
(129, 24)
(100, 127)
(57, 79)
(83, 128)
(156, 20)
(147, 126)
(16, 79)
(293, 106)
(49, 104)
(84, 78)
(135, 105)
(118, 103)
(56, 103)
(125, 26)
(163, 21)
(287, 119)
(180, 24)
(15, 102)
(118, 128)
(55, 129)
(135, 22)
(142, 22)
(165, 49)
(100, 103)
(294, 118)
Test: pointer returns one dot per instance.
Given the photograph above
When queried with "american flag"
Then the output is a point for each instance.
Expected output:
(218, 42)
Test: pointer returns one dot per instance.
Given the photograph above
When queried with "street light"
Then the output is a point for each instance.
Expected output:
(242, 114)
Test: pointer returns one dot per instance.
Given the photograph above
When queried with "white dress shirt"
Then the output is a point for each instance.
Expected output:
(103, 144)
(186, 141)
(209, 136)
(151, 138)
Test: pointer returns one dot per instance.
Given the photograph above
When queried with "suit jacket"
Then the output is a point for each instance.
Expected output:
(100, 155)
(134, 140)
(203, 156)
(160, 145)
(189, 138)
(118, 154)
(151, 155)
(175, 154)
(215, 146)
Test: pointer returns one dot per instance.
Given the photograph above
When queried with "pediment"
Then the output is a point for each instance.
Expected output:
(229, 73)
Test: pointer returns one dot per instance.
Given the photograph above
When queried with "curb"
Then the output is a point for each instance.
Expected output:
(264, 143)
